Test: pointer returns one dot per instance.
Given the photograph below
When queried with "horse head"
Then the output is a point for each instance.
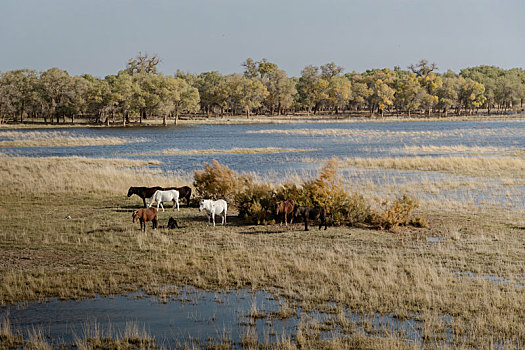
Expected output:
(131, 191)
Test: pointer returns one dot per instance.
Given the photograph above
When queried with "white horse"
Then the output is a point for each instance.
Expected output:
(165, 196)
(218, 207)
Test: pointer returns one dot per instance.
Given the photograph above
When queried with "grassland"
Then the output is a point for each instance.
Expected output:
(441, 284)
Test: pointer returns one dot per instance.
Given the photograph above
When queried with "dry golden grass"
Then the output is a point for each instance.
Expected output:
(360, 134)
(460, 149)
(57, 139)
(82, 175)
(100, 251)
(511, 167)
(235, 150)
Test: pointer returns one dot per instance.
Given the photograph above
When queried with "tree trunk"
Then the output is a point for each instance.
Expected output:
(22, 114)
(164, 121)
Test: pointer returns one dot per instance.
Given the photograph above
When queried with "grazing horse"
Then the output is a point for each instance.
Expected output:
(143, 192)
(172, 223)
(212, 208)
(165, 196)
(285, 207)
(145, 215)
(184, 192)
(312, 213)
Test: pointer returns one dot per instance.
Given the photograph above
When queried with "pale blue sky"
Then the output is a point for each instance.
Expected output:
(99, 36)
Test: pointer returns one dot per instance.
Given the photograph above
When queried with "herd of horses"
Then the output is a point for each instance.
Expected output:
(211, 208)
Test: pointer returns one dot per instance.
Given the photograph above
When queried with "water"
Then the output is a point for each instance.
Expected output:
(191, 316)
(363, 140)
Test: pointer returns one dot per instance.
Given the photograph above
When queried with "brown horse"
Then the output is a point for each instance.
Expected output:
(285, 207)
(312, 213)
(144, 215)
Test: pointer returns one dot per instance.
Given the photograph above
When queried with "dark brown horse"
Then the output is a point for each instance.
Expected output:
(143, 192)
(285, 207)
(312, 213)
(184, 192)
(144, 215)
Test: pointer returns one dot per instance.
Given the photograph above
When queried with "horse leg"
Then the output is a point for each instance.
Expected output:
(213, 217)
(305, 217)
(225, 214)
(285, 219)
(144, 201)
(178, 204)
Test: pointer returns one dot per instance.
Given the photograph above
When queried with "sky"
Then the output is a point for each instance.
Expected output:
(99, 36)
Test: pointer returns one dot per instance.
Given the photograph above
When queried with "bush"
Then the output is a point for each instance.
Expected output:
(257, 202)
(397, 213)
(343, 207)
(217, 181)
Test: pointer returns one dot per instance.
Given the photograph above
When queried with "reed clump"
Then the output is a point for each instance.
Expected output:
(58, 139)
(235, 150)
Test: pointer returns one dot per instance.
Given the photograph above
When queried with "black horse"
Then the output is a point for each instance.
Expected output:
(143, 192)
(184, 192)
(312, 213)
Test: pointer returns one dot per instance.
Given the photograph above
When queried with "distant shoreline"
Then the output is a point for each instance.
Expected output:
(283, 119)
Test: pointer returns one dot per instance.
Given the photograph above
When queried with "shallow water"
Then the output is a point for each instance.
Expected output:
(364, 140)
(191, 316)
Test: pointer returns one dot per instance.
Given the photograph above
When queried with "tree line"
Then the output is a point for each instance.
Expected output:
(139, 91)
